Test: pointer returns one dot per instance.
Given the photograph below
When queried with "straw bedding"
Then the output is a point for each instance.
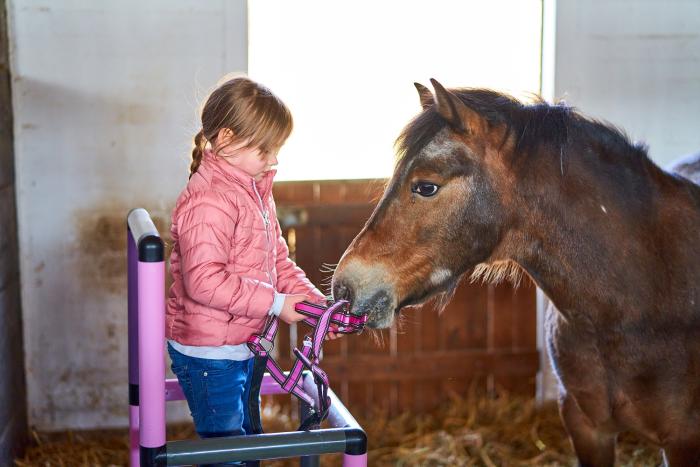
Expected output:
(476, 430)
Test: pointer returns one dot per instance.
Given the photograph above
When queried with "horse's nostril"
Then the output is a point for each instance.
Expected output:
(342, 292)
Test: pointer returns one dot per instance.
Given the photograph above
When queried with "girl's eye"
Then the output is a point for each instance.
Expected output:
(425, 189)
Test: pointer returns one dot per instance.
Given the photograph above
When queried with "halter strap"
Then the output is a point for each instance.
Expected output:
(336, 318)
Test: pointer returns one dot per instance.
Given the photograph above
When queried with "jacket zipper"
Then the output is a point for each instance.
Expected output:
(266, 220)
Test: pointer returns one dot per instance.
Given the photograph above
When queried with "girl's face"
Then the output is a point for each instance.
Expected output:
(251, 160)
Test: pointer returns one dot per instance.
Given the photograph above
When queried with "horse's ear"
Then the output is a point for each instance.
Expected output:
(454, 111)
(426, 97)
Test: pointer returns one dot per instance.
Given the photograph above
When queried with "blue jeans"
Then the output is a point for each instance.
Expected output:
(217, 393)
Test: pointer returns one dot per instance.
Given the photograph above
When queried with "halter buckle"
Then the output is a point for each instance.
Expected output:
(266, 344)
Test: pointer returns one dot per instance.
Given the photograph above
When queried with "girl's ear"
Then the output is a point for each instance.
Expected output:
(224, 137)
(224, 144)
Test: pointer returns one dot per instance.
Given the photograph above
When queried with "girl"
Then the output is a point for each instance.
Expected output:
(229, 262)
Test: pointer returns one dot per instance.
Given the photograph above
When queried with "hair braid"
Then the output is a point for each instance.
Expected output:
(197, 152)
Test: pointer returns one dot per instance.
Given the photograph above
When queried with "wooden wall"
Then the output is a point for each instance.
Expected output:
(486, 336)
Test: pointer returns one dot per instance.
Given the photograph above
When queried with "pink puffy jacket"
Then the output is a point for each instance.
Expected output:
(228, 258)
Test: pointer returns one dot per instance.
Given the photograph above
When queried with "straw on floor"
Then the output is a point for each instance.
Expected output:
(476, 430)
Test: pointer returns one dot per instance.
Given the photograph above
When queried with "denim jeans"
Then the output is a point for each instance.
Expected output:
(217, 393)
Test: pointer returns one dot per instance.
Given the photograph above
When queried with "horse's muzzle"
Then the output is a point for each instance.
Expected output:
(376, 304)
(365, 286)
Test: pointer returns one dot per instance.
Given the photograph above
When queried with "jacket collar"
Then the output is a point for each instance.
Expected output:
(236, 175)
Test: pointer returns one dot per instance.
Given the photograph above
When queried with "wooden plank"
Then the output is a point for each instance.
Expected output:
(292, 192)
(476, 315)
(427, 394)
(332, 192)
(525, 316)
(515, 384)
(283, 342)
(331, 215)
(443, 364)
(406, 396)
(502, 316)
(382, 396)
(361, 191)
(357, 400)
(372, 342)
(333, 347)
(331, 247)
(364, 191)
(430, 328)
(455, 386)
(307, 238)
(464, 321)
(408, 333)
(452, 323)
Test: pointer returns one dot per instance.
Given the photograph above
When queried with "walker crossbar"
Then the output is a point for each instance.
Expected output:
(345, 436)
(149, 390)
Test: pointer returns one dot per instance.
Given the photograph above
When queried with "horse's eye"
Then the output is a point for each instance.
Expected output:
(425, 188)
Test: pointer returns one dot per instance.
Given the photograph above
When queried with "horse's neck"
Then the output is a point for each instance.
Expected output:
(590, 256)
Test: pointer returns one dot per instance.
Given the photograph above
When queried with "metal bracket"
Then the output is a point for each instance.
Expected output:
(266, 344)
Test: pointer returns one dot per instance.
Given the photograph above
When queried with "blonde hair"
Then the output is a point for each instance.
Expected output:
(250, 110)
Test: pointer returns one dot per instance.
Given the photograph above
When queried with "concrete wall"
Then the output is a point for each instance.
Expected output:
(634, 63)
(105, 98)
(13, 408)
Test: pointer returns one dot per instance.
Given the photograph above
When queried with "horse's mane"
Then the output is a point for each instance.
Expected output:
(533, 125)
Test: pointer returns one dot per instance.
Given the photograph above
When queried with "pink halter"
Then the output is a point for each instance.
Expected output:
(335, 318)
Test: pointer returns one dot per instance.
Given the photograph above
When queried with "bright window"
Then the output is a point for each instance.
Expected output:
(346, 69)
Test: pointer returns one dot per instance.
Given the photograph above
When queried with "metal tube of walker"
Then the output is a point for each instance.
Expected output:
(150, 285)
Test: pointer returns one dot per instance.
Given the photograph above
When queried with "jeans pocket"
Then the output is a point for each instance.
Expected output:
(224, 388)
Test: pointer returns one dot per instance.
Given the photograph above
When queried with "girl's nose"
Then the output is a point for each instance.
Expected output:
(273, 159)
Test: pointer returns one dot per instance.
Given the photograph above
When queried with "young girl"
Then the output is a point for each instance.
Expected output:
(230, 264)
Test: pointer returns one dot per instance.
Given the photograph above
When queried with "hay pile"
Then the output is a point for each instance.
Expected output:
(467, 431)
(485, 431)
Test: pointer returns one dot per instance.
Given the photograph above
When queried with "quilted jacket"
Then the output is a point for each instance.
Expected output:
(229, 258)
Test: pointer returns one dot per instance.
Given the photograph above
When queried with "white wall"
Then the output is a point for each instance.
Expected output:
(105, 97)
(634, 63)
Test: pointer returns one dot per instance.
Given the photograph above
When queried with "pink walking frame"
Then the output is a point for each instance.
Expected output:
(149, 390)
(334, 318)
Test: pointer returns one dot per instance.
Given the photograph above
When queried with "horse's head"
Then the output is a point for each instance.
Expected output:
(443, 211)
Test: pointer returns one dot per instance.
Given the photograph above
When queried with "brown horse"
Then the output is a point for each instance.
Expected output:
(492, 187)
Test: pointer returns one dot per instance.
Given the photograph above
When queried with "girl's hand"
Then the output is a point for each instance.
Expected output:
(288, 314)
(330, 336)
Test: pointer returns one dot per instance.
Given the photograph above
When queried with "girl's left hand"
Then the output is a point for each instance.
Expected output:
(333, 335)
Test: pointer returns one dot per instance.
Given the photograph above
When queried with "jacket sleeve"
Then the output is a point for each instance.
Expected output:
(206, 230)
(290, 277)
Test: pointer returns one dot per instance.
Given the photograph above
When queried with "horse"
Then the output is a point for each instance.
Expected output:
(489, 187)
